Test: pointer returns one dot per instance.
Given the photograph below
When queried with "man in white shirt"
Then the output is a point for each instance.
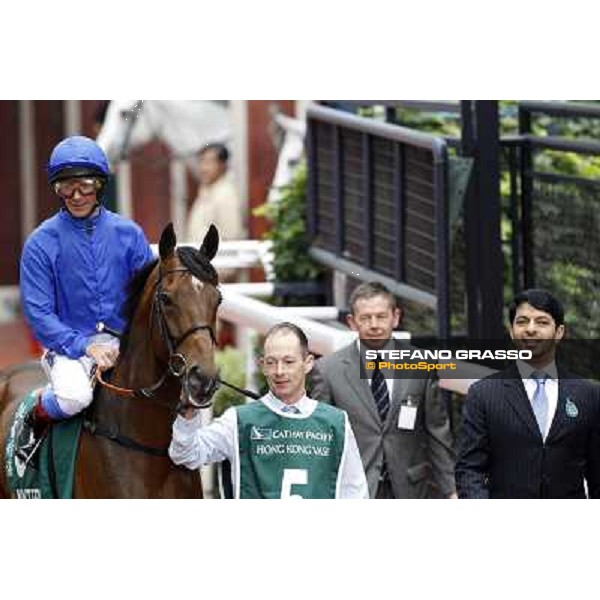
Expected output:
(532, 430)
(217, 201)
(284, 445)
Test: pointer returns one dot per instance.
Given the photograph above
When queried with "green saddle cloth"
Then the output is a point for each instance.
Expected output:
(53, 470)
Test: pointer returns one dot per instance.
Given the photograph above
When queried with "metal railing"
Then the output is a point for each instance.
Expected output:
(378, 205)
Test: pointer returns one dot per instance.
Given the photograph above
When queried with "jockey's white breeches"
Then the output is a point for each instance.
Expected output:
(71, 379)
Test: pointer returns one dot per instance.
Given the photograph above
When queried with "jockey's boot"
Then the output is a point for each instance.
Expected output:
(35, 425)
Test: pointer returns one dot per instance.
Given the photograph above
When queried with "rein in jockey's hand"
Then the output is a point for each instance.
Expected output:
(103, 355)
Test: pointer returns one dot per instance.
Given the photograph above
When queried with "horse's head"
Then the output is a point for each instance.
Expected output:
(125, 126)
(185, 305)
(184, 126)
(291, 133)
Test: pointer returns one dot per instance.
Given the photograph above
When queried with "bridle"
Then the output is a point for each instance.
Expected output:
(177, 364)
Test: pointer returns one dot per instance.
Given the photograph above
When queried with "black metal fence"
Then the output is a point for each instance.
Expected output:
(378, 205)
(559, 230)
(376, 197)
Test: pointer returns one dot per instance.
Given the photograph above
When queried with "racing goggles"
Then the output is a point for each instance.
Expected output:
(85, 185)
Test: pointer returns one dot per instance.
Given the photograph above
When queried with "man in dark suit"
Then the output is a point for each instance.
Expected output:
(532, 430)
(401, 426)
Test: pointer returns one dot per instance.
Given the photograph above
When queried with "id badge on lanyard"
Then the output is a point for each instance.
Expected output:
(408, 414)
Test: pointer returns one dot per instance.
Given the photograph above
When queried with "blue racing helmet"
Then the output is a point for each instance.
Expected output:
(77, 156)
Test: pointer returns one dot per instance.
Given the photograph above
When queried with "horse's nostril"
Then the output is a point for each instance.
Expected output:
(198, 382)
(195, 377)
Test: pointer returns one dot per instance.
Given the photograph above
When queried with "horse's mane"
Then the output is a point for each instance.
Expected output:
(194, 260)
(135, 287)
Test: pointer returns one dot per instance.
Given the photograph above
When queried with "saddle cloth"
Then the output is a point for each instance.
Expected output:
(51, 473)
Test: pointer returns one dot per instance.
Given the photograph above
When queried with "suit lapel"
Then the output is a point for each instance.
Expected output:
(558, 421)
(567, 391)
(516, 396)
(360, 385)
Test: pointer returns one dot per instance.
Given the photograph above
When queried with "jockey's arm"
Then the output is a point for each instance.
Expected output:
(39, 304)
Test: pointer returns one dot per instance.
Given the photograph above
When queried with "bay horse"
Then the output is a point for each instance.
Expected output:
(167, 361)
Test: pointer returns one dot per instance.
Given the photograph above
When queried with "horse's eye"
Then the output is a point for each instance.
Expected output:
(166, 299)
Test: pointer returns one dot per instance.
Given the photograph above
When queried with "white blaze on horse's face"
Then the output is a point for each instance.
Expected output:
(199, 285)
(184, 126)
(289, 155)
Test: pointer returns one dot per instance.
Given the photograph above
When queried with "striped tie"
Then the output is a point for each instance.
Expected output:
(379, 389)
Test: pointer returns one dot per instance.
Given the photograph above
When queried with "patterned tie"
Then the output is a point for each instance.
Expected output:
(540, 400)
(380, 393)
(379, 389)
(292, 410)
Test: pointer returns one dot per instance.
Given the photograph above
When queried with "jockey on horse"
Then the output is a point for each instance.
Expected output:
(74, 272)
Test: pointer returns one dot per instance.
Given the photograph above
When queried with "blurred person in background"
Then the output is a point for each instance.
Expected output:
(217, 200)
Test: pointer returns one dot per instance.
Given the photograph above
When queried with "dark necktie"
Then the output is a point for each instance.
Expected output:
(379, 389)
(380, 393)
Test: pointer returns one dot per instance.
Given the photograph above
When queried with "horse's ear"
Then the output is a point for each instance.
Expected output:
(167, 243)
(210, 245)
